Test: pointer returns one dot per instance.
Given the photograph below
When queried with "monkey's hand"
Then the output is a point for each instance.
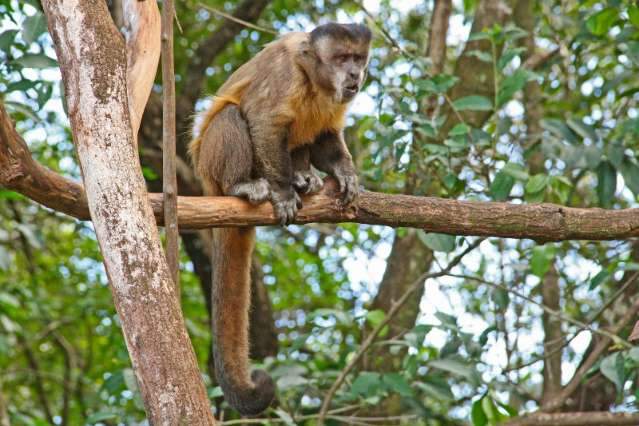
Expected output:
(285, 202)
(348, 184)
(307, 181)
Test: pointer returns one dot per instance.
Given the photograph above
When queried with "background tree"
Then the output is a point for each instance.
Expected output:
(476, 100)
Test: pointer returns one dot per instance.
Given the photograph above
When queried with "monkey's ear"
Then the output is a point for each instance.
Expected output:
(305, 49)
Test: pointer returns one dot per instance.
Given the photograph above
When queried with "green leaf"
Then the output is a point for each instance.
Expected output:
(100, 416)
(599, 279)
(542, 257)
(375, 317)
(537, 183)
(630, 172)
(366, 384)
(438, 242)
(436, 387)
(511, 85)
(453, 366)
(36, 60)
(428, 130)
(612, 368)
(615, 153)
(6, 40)
(21, 86)
(501, 186)
(515, 170)
(474, 103)
(582, 129)
(477, 415)
(440, 83)
(633, 14)
(606, 183)
(459, 130)
(33, 26)
(397, 383)
(559, 129)
(509, 55)
(481, 55)
(601, 22)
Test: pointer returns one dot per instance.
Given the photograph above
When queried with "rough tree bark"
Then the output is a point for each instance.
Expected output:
(93, 61)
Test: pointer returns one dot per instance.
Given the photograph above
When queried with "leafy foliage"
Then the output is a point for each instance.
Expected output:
(475, 353)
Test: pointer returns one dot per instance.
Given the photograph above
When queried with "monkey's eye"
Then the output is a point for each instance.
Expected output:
(342, 58)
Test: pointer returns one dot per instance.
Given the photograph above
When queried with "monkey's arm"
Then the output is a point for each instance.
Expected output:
(305, 180)
(330, 155)
(273, 162)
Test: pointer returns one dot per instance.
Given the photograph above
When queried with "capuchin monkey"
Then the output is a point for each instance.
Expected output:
(276, 115)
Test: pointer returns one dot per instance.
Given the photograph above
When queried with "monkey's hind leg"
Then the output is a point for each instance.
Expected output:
(305, 180)
(255, 191)
(226, 157)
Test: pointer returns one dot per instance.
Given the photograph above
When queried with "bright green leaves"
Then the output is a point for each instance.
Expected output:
(600, 23)
(541, 260)
(633, 15)
(437, 242)
(606, 183)
(36, 60)
(369, 384)
(536, 184)
(473, 103)
(612, 367)
(512, 84)
(501, 186)
(33, 27)
(440, 83)
(487, 411)
(6, 39)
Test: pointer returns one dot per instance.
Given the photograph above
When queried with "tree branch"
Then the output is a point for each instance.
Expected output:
(169, 178)
(94, 66)
(541, 222)
(577, 419)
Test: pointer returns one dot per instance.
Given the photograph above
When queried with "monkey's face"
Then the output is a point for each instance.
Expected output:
(342, 57)
(344, 63)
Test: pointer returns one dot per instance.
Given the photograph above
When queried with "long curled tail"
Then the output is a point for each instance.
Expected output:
(232, 250)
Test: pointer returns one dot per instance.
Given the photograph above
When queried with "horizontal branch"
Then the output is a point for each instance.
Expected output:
(540, 222)
(577, 419)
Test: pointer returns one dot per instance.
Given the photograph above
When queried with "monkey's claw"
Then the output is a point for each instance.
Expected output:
(348, 187)
(285, 205)
(307, 182)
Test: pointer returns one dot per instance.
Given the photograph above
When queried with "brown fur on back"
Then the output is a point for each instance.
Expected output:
(306, 106)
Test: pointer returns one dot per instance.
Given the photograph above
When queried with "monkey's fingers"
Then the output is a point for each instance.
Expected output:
(285, 206)
(348, 187)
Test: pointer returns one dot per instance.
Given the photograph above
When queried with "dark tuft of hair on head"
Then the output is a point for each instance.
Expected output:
(351, 32)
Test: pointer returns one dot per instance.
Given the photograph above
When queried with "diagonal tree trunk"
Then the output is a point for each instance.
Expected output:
(93, 62)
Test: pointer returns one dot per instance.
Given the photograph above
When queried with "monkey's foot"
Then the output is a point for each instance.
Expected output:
(348, 186)
(286, 203)
(307, 182)
(256, 191)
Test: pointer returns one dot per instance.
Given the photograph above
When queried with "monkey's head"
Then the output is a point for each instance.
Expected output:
(338, 57)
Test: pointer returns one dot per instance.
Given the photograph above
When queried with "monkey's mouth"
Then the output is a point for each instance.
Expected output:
(350, 90)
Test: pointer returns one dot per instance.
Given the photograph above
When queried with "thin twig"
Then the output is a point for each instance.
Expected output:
(237, 20)
(550, 311)
(169, 182)
(592, 319)
(300, 418)
(394, 309)
(592, 358)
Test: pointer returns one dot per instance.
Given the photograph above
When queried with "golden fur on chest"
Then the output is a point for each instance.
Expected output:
(312, 117)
